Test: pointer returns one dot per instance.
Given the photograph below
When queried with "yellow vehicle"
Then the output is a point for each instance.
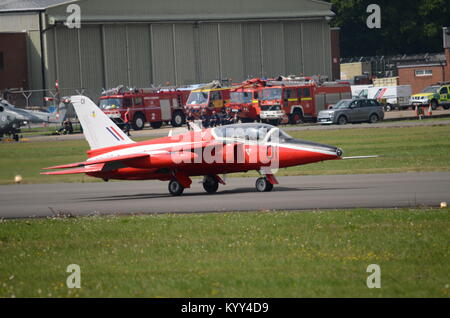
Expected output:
(434, 95)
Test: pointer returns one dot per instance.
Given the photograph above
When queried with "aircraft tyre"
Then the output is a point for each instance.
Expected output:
(210, 184)
(263, 185)
(175, 188)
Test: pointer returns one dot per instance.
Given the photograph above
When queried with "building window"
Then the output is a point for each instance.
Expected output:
(424, 72)
(2, 63)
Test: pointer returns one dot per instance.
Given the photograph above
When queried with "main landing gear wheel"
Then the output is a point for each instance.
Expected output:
(210, 184)
(175, 188)
(263, 185)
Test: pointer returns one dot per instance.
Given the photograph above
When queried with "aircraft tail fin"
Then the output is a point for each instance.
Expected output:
(99, 130)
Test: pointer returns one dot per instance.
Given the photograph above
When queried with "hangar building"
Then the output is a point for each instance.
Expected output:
(142, 42)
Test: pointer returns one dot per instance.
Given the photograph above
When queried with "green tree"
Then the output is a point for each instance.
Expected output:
(407, 27)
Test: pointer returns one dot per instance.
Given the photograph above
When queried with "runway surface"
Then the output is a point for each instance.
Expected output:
(293, 193)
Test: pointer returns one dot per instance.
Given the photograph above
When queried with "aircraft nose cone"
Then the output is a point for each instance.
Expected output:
(339, 152)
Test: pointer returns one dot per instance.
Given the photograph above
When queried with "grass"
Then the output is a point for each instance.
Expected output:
(43, 130)
(402, 150)
(257, 254)
(28, 158)
(49, 130)
(425, 119)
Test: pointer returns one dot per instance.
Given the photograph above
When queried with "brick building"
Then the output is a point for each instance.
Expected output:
(13, 61)
(428, 70)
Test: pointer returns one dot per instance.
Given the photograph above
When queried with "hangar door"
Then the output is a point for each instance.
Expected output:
(138, 55)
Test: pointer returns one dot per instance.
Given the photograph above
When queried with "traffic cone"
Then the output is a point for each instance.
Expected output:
(430, 110)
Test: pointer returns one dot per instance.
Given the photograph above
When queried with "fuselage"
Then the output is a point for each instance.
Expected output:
(220, 150)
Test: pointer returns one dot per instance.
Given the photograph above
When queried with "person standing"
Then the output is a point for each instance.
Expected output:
(190, 120)
(205, 119)
(127, 125)
(5, 94)
(235, 119)
(215, 120)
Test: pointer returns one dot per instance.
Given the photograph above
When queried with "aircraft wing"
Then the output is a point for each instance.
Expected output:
(157, 159)
(105, 160)
(86, 169)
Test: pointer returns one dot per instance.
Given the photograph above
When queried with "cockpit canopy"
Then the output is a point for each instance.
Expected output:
(254, 132)
(266, 134)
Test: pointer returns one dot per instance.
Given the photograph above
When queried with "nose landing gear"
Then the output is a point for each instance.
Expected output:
(266, 183)
(263, 185)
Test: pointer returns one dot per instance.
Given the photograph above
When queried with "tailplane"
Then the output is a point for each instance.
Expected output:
(59, 115)
(99, 130)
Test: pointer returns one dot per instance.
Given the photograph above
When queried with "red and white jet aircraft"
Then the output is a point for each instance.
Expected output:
(207, 153)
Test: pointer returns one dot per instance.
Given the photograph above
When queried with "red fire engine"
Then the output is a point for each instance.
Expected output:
(244, 100)
(153, 105)
(299, 99)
